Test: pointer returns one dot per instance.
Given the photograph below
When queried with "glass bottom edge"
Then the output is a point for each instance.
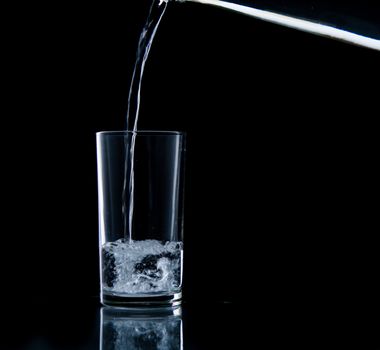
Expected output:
(174, 299)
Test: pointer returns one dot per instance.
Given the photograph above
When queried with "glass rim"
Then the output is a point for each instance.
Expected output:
(141, 132)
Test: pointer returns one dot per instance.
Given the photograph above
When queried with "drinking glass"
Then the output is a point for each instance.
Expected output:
(140, 193)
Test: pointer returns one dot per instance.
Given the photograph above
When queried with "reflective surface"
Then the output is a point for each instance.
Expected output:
(260, 324)
(135, 329)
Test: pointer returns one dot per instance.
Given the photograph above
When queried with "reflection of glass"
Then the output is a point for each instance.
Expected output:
(137, 329)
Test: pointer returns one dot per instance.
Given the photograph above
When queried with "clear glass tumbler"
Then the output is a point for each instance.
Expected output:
(140, 190)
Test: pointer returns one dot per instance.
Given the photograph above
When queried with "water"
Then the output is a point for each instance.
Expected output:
(146, 39)
(142, 267)
(148, 33)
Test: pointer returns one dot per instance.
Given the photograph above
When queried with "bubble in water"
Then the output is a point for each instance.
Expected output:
(142, 267)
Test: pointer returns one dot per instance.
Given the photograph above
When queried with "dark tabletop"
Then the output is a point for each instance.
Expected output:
(202, 325)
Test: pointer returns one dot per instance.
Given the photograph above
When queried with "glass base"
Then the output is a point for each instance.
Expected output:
(141, 301)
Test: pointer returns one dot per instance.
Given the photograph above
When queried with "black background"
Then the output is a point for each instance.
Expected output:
(282, 154)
